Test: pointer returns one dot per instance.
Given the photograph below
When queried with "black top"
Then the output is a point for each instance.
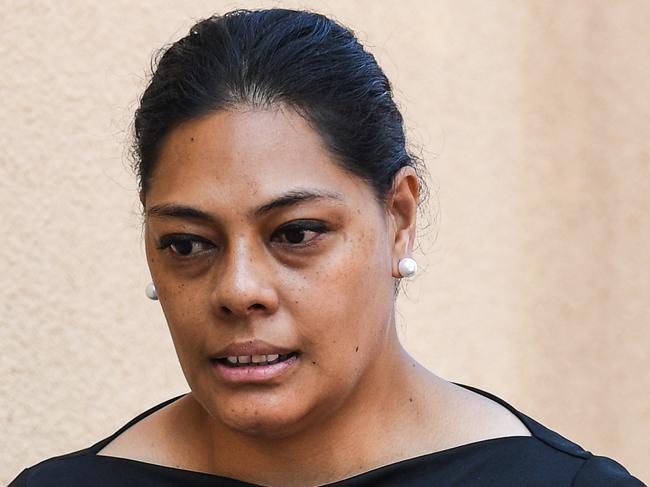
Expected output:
(543, 459)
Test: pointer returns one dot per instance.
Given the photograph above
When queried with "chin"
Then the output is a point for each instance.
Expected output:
(267, 428)
(264, 422)
(263, 417)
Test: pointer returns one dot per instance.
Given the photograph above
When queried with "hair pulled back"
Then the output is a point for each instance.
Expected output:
(278, 57)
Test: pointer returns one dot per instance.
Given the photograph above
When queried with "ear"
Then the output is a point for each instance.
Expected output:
(402, 205)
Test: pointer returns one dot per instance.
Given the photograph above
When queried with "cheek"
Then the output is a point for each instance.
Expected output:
(182, 301)
(348, 299)
(185, 313)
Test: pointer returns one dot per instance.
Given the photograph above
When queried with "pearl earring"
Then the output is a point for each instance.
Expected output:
(407, 267)
(150, 291)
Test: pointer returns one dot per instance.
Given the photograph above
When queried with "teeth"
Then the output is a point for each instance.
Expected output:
(269, 359)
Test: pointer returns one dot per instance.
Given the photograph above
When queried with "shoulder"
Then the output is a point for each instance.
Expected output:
(87, 469)
(549, 456)
(538, 463)
(162, 437)
(486, 413)
(464, 416)
(598, 471)
(87, 466)
(67, 471)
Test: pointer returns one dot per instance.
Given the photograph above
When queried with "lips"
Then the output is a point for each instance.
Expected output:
(253, 361)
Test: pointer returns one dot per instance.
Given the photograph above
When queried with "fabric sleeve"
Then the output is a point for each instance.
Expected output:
(600, 471)
(21, 480)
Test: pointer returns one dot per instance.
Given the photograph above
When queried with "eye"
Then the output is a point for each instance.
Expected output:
(299, 233)
(184, 245)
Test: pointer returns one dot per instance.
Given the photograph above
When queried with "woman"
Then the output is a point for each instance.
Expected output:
(280, 207)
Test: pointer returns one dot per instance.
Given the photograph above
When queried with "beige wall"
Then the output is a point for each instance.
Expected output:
(535, 122)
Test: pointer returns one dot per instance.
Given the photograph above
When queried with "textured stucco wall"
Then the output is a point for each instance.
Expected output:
(535, 122)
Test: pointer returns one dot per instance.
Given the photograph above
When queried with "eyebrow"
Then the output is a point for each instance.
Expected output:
(290, 198)
(295, 197)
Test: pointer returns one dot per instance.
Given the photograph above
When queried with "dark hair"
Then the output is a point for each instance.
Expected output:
(265, 58)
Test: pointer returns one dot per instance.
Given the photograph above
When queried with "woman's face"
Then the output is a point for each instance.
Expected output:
(266, 253)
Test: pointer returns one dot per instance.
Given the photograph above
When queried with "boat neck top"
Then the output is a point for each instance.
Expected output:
(544, 459)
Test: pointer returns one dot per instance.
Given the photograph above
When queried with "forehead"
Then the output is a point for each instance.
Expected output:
(245, 156)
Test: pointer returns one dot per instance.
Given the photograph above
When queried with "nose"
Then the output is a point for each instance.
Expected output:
(244, 284)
